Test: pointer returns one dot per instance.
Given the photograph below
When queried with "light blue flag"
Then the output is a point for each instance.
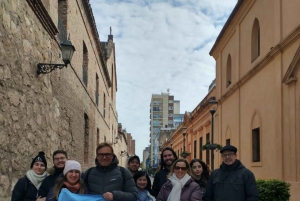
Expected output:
(66, 195)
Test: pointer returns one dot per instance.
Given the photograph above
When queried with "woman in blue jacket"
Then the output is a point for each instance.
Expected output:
(26, 189)
(71, 180)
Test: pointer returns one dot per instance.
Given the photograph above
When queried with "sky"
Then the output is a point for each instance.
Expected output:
(160, 45)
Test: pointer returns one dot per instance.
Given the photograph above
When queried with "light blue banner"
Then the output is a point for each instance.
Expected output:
(66, 195)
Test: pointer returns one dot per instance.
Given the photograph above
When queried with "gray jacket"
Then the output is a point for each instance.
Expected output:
(109, 179)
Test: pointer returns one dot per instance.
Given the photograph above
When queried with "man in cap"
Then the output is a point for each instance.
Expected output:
(134, 164)
(232, 181)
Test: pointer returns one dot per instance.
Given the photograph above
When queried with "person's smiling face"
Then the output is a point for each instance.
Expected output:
(180, 169)
(141, 182)
(168, 157)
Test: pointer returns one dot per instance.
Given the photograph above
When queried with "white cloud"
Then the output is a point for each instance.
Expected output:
(159, 45)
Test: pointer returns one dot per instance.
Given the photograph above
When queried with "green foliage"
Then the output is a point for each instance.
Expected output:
(185, 154)
(209, 146)
(273, 190)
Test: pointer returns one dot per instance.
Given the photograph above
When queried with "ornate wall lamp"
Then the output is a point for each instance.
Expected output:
(124, 153)
(67, 50)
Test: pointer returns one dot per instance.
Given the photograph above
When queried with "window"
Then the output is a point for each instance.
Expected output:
(98, 136)
(170, 115)
(255, 40)
(207, 151)
(85, 62)
(256, 145)
(62, 11)
(171, 101)
(195, 149)
(228, 71)
(86, 138)
(170, 108)
(104, 104)
(170, 122)
(200, 150)
(227, 142)
(97, 90)
(112, 82)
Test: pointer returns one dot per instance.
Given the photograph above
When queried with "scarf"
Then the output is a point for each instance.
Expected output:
(142, 195)
(36, 179)
(73, 188)
(177, 186)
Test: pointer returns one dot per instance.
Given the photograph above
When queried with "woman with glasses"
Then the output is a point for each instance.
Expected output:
(143, 184)
(180, 186)
(200, 173)
(28, 186)
(71, 180)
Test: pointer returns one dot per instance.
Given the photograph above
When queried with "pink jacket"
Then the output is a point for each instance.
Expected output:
(190, 191)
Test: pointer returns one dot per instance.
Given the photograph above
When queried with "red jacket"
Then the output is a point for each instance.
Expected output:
(189, 192)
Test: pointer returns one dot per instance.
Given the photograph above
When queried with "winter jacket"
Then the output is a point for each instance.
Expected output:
(189, 192)
(160, 179)
(24, 190)
(101, 179)
(231, 183)
(150, 197)
(49, 181)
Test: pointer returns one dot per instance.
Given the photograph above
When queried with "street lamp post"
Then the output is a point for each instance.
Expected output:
(183, 134)
(212, 112)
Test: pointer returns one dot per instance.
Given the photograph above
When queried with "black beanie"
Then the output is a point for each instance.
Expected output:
(39, 158)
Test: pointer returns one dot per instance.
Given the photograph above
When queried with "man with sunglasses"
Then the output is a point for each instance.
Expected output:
(109, 179)
(232, 181)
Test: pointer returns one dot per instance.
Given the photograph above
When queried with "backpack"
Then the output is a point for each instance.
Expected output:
(87, 173)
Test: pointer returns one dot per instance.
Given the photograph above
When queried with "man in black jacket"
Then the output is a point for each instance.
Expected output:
(167, 158)
(59, 159)
(232, 181)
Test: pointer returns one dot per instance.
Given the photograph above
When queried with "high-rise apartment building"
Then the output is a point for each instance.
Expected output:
(163, 107)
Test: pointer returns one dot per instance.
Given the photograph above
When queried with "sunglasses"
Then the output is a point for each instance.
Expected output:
(180, 168)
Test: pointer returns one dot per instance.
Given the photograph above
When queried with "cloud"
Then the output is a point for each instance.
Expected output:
(160, 45)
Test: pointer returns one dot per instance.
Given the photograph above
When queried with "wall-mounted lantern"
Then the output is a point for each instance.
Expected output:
(67, 50)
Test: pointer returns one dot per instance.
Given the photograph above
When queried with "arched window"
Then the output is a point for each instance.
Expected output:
(62, 11)
(86, 138)
(255, 40)
(228, 71)
(85, 61)
(256, 137)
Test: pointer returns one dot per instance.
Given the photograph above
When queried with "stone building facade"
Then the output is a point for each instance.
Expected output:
(257, 57)
(73, 108)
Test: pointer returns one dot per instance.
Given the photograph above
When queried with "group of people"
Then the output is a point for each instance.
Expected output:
(176, 180)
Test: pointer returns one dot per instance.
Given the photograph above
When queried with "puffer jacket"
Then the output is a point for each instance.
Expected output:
(24, 190)
(189, 192)
(109, 179)
(231, 183)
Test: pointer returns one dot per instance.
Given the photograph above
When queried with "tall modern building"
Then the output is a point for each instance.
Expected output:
(163, 108)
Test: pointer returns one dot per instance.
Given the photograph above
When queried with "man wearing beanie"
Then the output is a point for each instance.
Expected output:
(59, 159)
(232, 181)
(134, 164)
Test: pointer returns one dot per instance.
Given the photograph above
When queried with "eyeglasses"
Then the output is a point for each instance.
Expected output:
(228, 155)
(107, 155)
(60, 159)
(180, 168)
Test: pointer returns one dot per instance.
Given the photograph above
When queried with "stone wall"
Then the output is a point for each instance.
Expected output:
(46, 112)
